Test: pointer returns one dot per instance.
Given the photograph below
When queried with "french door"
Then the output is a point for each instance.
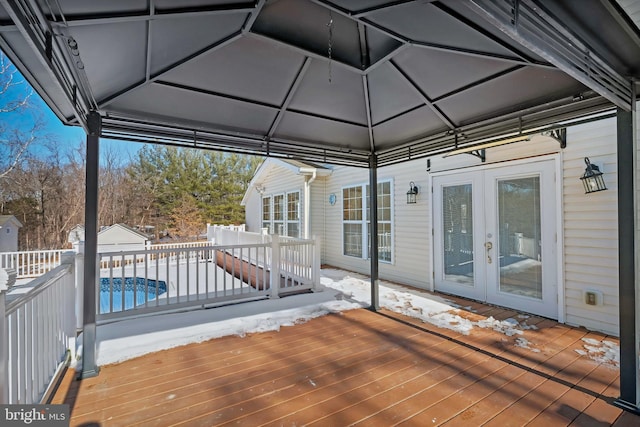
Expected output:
(495, 236)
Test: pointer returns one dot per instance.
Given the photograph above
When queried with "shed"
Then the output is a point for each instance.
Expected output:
(9, 227)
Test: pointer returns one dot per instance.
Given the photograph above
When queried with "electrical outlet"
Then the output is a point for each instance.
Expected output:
(592, 297)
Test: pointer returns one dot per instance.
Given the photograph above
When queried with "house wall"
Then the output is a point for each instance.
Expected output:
(275, 180)
(587, 231)
(591, 227)
(411, 240)
(8, 237)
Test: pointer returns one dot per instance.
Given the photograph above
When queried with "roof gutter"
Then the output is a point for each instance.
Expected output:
(310, 175)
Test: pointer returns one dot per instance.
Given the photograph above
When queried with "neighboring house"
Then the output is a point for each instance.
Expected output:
(517, 230)
(115, 238)
(9, 227)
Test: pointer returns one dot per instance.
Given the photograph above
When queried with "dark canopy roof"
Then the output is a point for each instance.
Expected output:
(319, 80)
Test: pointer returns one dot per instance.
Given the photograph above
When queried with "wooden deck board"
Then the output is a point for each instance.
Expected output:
(359, 367)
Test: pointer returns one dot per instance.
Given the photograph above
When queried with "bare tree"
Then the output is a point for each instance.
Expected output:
(21, 124)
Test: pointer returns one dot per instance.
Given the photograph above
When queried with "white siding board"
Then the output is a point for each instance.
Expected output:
(590, 227)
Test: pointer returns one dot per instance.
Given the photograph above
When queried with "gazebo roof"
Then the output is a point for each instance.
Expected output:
(325, 81)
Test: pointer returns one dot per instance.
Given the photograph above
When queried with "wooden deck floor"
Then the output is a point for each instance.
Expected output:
(359, 367)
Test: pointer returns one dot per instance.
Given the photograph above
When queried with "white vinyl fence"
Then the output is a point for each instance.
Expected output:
(31, 263)
(39, 323)
(204, 276)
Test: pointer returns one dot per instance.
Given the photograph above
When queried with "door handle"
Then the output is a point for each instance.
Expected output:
(488, 246)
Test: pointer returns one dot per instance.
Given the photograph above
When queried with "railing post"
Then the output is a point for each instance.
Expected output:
(274, 277)
(4, 351)
(70, 322)
(78, 275)
(315, 263)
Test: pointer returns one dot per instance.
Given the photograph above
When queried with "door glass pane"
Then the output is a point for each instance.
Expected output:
(520, 237)
(457, 217)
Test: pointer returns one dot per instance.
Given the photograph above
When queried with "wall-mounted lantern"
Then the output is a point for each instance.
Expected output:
(412, 193)
(592, 179)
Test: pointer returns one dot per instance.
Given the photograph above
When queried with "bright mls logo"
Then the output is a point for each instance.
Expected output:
(34, 415)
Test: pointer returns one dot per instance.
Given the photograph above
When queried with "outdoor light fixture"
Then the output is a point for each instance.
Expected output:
(412, 193)
(592, 178)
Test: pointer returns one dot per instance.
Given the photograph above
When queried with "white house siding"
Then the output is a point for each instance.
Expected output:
(591, 227)
(410, 223)
(275, 180)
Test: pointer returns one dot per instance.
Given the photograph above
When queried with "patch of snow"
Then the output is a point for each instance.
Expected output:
(605, 352)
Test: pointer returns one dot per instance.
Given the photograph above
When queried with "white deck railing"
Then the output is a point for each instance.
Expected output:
(31, 263)
(39, 323)
(181, 278)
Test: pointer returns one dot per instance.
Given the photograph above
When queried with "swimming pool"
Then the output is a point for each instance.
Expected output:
(134, 292)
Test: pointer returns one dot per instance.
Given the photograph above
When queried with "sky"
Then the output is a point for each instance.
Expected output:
(65, 137)
(339, 291)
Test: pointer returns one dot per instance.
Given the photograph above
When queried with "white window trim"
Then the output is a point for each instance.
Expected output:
(365, 221)
(285, 217)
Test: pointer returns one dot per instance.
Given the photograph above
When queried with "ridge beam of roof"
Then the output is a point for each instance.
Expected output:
(150, 78)
(517, 58)
(529, 25)
(251, 19)
(153, 14)
(290, 93)
(367, 105)
(423, 96)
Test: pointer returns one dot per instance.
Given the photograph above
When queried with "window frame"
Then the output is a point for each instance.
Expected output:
(281, 225)
(364, 221)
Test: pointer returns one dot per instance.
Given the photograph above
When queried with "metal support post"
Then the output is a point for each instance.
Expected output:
(627, 257)
(373, 218)
(89, 363)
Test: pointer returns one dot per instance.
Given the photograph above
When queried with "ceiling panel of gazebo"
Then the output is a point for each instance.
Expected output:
(331, 91)
(389, 95)
(523, 87)
(342, 74)
(176, 105)
(109, 77)
(424, 22)
(174, 40)
(248, 68)
(295, 126)
(411, 125)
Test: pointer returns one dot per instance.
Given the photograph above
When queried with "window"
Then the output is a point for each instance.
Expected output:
(278, 214)
(266, 213)
(293, 214)
(356, 221)
(281, 214)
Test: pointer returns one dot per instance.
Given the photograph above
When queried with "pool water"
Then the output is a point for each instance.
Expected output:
(134, 292)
